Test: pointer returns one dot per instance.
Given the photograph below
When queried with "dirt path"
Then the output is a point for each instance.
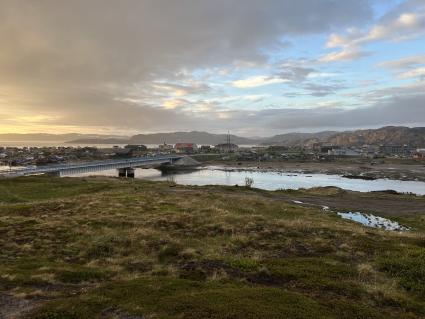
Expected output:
(385, 204)
(14, 308)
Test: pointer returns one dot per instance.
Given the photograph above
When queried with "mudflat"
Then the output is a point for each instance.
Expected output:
(396, 169)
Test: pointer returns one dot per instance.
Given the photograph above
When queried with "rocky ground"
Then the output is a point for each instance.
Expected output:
(410, 172)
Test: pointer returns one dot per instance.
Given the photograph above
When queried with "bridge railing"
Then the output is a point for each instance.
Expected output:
(62, 167)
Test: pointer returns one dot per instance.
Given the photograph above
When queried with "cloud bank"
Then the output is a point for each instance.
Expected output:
(147, 65)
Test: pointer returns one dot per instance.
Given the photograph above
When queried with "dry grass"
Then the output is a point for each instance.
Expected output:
(228, 248)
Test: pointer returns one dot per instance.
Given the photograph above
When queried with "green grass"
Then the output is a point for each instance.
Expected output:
(76, 276)
(109, 248)
(189, 299)
(408, 266)
(21, 190)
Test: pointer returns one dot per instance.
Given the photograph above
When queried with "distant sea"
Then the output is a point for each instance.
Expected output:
(56, 144)
(63, 144)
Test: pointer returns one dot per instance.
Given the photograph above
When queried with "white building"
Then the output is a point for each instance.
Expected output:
(344, 152)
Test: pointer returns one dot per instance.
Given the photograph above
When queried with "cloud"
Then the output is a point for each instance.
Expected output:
(398, 106)
(337, 117)
(337, 40)
(183, 88)
(133, 40)
(419, 72)
(320, 90)
(346, 54)
(405, 90)
(407, 67)
(248, 97)
(138, 65)
(403, 63)
(174, 103)
(378, 115)
(405, 22)
(403, 27)
(290, 71)
(316, 90)
(255, 81)
(105, 64)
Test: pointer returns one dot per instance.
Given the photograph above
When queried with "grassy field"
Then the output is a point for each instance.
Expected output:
(110, 248)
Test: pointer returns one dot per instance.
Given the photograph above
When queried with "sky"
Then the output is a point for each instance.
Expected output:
(256, 68)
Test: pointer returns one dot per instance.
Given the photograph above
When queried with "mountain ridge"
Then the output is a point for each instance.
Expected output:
(192, 136)
(397, 135)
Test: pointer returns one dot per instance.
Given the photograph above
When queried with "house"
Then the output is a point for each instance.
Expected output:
(395, 149)
(344, 152)
(369, 150)
(226, 148)
(187, 148)
(205, 149)
(322, 147)
(277, 149)
(165, 147)
(122, 152)
(419, 154)
(259, 149)
(138, 148)
(247, 155)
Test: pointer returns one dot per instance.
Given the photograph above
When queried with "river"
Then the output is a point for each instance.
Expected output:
(271, 180)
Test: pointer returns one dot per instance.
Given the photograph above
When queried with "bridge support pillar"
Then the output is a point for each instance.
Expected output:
(127, 172)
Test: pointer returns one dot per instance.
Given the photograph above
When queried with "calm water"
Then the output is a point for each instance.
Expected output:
(21, 144)
(370, 220)
(273, 180)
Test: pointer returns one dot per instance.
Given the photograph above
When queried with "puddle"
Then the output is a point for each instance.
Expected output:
(297, 202)
(308, 204)
(370, 220)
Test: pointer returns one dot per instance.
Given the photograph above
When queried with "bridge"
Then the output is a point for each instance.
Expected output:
(124, 166)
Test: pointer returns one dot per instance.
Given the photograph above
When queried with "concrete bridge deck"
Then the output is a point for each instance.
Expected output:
(95, 166)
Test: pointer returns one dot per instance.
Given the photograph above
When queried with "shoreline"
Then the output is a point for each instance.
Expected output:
(402, 172)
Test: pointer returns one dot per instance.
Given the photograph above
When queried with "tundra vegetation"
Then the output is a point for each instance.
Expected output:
(110, 248)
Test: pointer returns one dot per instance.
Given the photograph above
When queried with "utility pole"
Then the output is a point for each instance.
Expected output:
(228, 141)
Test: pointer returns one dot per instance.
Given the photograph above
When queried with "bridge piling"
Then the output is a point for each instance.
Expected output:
(126, 172)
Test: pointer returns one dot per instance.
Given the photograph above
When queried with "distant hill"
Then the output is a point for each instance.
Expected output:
(397, 135)
(298, 139)
(192, 137)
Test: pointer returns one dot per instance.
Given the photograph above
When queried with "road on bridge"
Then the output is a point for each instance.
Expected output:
(92, 166)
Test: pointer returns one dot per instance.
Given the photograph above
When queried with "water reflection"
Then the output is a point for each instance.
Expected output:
(273, 180)
(370, 220)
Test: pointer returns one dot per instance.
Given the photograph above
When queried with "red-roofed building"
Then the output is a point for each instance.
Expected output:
(419, 154)
(186, 148)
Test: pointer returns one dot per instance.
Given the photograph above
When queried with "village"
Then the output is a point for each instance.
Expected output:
(317, 152)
